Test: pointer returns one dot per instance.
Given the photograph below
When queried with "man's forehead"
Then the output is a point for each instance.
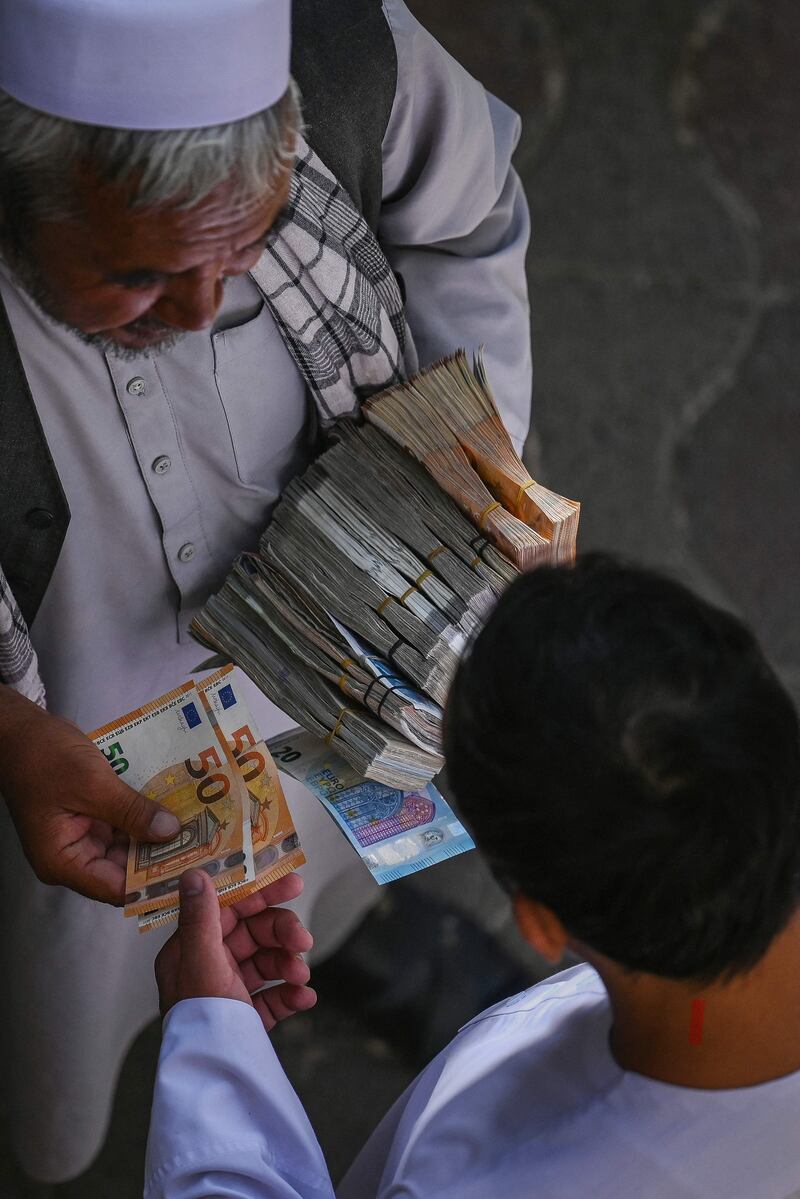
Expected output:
(223, 216)
(221, 206)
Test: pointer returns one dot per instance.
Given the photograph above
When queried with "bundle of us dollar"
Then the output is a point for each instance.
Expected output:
(197, 751)
(380, 563)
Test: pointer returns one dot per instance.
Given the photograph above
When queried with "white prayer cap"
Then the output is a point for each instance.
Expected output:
(146, 64)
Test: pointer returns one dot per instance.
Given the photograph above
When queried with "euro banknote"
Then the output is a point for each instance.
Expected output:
(394, 832)
(270, 835)
(170, 751)
(276, 845)
(197, 751)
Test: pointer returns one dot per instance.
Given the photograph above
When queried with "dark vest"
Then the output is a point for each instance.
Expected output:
(345, 64)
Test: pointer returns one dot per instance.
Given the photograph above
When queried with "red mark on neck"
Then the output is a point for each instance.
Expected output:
(696, 1022)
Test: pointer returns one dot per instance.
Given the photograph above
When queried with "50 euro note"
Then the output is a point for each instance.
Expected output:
(171, 751)
(268, 825)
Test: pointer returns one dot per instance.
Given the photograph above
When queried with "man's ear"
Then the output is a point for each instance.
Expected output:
(540, 927)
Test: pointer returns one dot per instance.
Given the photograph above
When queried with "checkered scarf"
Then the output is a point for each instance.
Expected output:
(339, 309)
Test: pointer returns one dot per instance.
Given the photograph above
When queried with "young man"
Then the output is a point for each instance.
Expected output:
(630, 766)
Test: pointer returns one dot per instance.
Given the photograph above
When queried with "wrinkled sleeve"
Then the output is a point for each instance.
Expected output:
(225, 1119)
(454, 222)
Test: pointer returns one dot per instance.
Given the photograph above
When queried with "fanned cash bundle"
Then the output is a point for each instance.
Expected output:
(370, 578)
(270, 605)
(365, 742)
(417, 509)
(363, 589)
(447, 418)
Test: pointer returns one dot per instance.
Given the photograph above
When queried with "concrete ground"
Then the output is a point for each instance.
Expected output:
(662, 164)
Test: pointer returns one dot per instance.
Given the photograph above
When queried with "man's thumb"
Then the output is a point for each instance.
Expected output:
(199, 925)
(139, 817)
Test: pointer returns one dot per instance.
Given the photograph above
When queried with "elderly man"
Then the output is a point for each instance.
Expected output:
(194, 285)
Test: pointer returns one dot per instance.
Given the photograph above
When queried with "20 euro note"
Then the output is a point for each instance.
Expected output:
(170, 751)
(276, 849)
(395, 833)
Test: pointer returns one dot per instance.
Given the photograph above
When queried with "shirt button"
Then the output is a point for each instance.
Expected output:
(39, 518)
(162, 464)
(187, 552)
(136, 386)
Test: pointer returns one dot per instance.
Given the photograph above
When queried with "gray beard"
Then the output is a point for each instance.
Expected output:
(107, 345)
(30, 280)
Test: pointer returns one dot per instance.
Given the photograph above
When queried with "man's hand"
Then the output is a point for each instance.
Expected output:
(73, 815)
(229, 953)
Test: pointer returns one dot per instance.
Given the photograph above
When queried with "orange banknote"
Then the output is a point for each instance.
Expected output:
(171, 751)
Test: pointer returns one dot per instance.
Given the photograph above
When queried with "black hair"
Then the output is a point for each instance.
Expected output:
(624, 755)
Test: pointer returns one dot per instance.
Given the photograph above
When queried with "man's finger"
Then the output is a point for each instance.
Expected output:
(200, 930)
(84, 867)
(281, 891)
(105, 879)
(276, 1003)
(118, 854)
(136, 815)
(280, 928)
(97, 879)
(165, 967)
(101, 830)
(274, 964)
(239, 941)
(284, 967)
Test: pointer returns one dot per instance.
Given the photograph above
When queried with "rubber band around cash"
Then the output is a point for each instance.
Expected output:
(487, 512)
(426, 574)
(343, 665)
(391, 654)
(335, 730)
(479, 544)
(384, 697)
(525, 487)
(440, 549)
(389, 691)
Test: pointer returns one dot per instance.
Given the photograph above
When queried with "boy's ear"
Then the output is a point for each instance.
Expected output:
(540, 927)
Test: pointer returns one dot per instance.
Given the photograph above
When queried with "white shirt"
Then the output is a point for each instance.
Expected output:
(526, 1103)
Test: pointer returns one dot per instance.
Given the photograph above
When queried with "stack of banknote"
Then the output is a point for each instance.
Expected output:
(197, 751)
(448, 419)
(378, 566)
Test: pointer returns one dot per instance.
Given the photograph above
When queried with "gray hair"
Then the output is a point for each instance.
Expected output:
(40, 154)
